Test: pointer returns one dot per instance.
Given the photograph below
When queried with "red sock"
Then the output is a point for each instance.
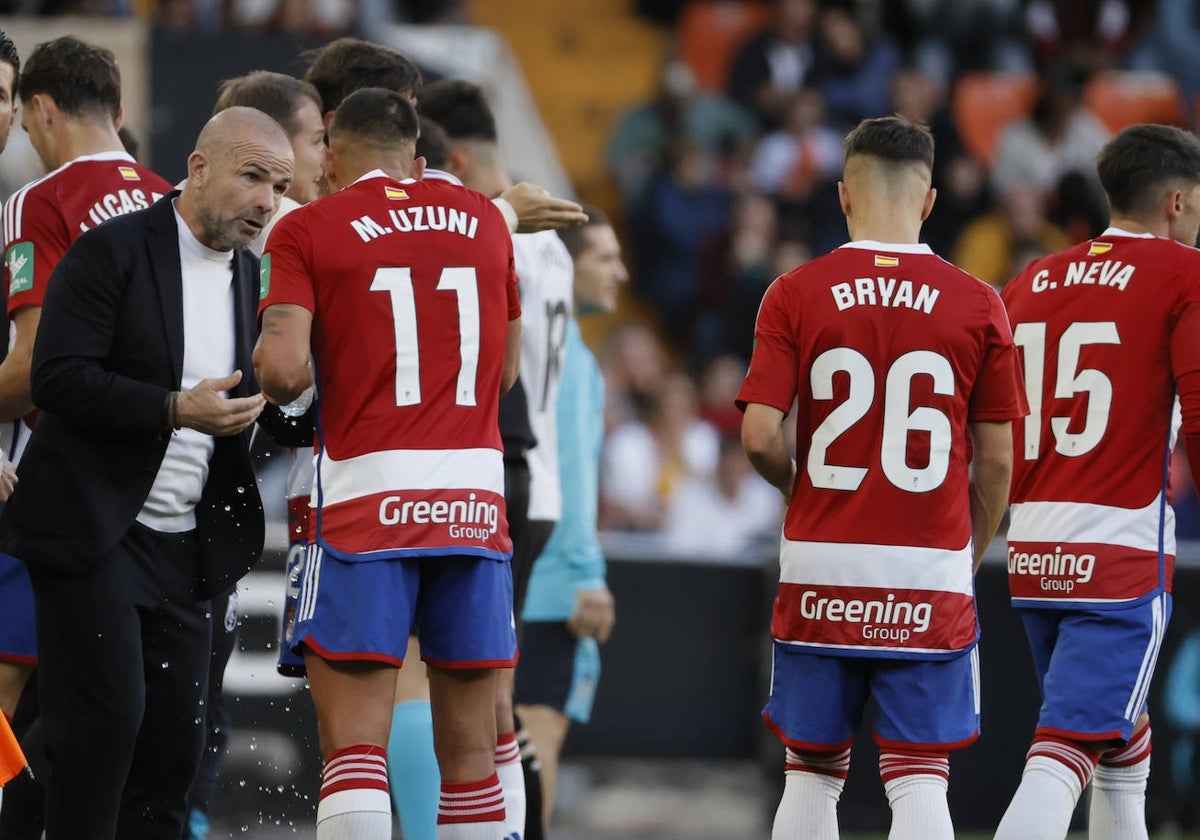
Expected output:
(468, 802)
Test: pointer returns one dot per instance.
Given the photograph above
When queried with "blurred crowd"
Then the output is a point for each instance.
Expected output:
(727, 177)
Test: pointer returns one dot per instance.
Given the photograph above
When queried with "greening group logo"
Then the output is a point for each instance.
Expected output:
(19, 260)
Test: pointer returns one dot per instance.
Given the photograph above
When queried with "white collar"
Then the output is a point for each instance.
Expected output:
(1115, 231)
(442, 175)
(873, 245)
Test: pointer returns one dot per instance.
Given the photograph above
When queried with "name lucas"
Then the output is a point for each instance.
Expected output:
(416, 219)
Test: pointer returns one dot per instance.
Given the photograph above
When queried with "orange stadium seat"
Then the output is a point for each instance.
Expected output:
(1122, 97)
(710, 34)
(983, 103)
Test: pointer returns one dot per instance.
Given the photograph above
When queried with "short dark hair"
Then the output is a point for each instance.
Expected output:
(893, 140)
(377, 117)
(461, 108)
(10, 56)
(277, 95)
(573, 237)
(1142, 162)
(433, 144)
(348, 64)
(81, 78)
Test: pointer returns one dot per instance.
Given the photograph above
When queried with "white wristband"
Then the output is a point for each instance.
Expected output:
(506, 210)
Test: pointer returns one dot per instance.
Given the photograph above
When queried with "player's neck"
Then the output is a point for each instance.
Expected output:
(1159, 228)
(84, 137)
(884, 229)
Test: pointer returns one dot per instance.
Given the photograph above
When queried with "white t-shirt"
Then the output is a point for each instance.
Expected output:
(546, 276)
(208, 352)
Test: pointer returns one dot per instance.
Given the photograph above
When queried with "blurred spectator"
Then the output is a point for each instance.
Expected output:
(678, 111)
(792, 161)
(854, 67)
(1168, 45)
(737, 268)
(317, 18)
(1094, 33)
(777, 62)
(634, 364)
(960, 180)
(996, 246)
(644, 463)
(1060, 136)
(717, 517)
(684, 206)
(719, 384)
(1079, 207)
(947, 38)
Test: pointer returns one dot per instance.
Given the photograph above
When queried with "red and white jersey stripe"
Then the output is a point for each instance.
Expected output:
(871, 600)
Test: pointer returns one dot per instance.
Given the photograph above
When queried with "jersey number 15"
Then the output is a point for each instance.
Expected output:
(1068, 381)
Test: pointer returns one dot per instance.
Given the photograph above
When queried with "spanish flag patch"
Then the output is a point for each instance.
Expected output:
(882, 261)
(1099, 248)
(395, 193)
(129, 173)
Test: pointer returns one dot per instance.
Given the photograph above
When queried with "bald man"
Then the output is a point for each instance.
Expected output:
(137, 500)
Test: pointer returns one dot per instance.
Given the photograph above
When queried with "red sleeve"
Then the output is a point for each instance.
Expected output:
(286, 272)
(999, 390)
(35, 239)
(514, 296)
(775, 363)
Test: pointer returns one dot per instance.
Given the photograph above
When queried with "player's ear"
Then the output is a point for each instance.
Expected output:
(844, 198)
(418, 168)
(930, 198)
(1173, 204)
(119, 119)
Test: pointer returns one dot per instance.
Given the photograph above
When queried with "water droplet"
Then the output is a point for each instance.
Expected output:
(228, 508)
(241, 489)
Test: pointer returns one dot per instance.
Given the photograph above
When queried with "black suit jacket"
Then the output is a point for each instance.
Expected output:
(108, 351)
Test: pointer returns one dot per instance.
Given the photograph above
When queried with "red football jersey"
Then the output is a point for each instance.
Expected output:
(44, 217)
(411, 286)
(891, 351)
(1090, 523)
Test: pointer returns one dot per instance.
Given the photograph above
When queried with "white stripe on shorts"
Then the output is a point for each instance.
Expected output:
(1141, 688)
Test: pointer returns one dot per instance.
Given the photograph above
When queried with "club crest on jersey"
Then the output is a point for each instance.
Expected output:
(19, 260)
(395, 193)
(129, 173)
(883, 261)
(1099, 248)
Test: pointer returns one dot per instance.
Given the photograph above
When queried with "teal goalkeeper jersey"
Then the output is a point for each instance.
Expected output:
(572, 560)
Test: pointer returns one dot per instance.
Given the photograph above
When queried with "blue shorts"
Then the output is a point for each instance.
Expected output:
(18, 632)
(459, 607)
(1094, 667)
(817, 701)
(557, 670)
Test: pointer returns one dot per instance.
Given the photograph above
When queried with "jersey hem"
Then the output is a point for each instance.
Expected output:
(815, 649)
(1082, 605)
(412, 553)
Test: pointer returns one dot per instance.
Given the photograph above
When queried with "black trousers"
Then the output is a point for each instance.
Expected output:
(123, 652)
(224, 640)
